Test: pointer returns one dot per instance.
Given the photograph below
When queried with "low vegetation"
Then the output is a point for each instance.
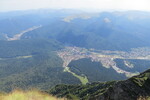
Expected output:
(83, 79)
(81, 91)
(135, 88)
(27, 95)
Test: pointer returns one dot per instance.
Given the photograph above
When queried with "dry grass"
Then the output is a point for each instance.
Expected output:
(27, 95)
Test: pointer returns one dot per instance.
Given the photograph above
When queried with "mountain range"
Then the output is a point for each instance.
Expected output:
(43, 48)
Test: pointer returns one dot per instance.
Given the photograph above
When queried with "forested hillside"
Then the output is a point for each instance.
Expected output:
(135, 88)
(94, 71)
(31, 64)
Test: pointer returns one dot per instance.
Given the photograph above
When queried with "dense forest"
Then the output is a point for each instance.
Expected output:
(94, 71)
(31, 64)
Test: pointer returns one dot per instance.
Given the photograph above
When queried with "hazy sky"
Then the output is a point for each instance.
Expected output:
(7, 5)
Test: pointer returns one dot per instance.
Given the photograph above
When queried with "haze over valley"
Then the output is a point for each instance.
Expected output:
(75, 54)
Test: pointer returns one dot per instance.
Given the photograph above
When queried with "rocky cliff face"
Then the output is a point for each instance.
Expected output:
(135, 88)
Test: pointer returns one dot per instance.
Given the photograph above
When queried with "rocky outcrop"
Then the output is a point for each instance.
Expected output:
(135, 88)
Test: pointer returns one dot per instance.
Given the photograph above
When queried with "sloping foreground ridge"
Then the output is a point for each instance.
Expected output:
(135, 88)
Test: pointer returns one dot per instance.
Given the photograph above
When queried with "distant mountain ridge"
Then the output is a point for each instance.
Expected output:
(104, 30)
